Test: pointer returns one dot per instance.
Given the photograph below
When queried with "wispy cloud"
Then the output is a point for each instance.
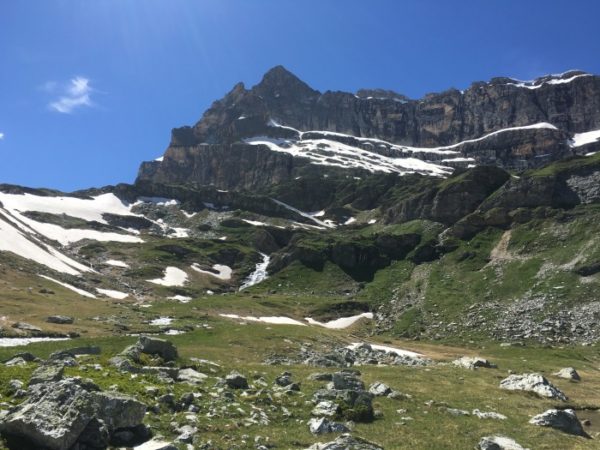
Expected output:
(1, 136)
(73, 95)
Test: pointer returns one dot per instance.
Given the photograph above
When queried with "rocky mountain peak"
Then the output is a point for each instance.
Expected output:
(280, 85)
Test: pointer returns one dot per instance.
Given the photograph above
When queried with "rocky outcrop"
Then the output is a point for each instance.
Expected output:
(563, 420)
(211, 151)
(58, 415)
(532, 382)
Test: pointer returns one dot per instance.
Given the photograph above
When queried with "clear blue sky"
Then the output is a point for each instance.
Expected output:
(90, 88)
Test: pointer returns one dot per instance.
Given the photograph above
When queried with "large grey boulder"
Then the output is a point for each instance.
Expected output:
(499, 443)
(346, 442)
(565, 420)
(61, 320)
(53, 416)
(57, 414)
(532, 382)
(161, 347)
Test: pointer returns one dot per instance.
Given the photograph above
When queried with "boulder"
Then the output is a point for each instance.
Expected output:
(532, 382)
(53, 416)
(380, 389)
(47, 373)
(473, 362)
(323, 425)
(498, 443)
(191, 376)
(26, 327)
(326, 408)
(489, 415)
(160, 347)
(346, 442)
(61, 320)
(568, 373)
(236, 380)
(346, 380)
(58, 413)
(565, 420)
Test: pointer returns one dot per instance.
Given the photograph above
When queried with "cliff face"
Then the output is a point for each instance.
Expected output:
(504, 122)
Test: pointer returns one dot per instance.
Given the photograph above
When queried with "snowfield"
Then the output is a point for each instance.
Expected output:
(15, 241)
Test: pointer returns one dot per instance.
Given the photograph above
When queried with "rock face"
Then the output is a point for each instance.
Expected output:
(281, 106)
(564, 420)
(532, 382)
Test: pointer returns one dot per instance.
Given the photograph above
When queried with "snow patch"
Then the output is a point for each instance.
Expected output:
(115, 263)
(341, 323)
(16, 242)
(161, 321)
(220, 271)
(180, 298)
(585, 138)
(385, 348)
(113, 294)
(276, 320)
(70, 287)
(17, 342)
(173, 276)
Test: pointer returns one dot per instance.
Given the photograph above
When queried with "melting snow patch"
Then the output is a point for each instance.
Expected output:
(15, 241)
(585, 138)
(341, 323)
(17, 342)
(259, 274)
(112, 294)
(387, 349)
(161, 321)
(91, 209)
(256, 223)
(266, 319)
(174, 332)
(351, 220)
(180, 298)
(68, 286)
(220, 271)
(173, 277)
(115, 263)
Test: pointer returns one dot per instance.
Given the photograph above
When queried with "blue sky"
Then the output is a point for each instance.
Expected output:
(90, 88)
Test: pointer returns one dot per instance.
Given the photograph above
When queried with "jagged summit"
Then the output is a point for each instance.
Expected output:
(253, 138)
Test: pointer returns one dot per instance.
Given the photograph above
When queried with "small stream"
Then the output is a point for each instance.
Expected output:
(259, 274)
